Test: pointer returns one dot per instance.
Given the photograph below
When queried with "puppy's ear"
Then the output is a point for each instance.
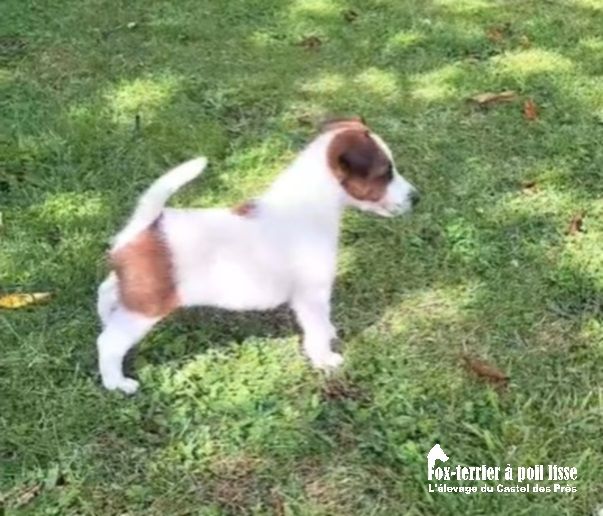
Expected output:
(335, 123)
(359, 164)
(357, 160)
(359, 155)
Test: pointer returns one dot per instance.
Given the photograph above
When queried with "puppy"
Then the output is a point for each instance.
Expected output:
(280, 248)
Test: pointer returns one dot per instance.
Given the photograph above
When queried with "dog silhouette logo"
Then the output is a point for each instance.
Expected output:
(436, 453)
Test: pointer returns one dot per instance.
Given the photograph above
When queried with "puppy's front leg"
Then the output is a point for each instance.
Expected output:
(312, 309)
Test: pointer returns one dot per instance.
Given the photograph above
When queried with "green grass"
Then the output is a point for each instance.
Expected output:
(230, 418)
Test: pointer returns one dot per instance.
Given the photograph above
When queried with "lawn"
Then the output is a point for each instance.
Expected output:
(98, 98)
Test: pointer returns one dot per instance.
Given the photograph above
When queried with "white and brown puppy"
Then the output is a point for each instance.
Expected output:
(281, 248)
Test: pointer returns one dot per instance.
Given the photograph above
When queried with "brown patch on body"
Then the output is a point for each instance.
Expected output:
(358, 163)
(145, 276)
(245, 209)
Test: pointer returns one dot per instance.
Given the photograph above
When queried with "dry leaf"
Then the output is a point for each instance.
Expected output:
(350, 15)
(575, 225)
(311, 43)
(529, 186)
(486, 371)
(487, 99)
(27, 495)
(499, 32)
(530, 110)
(13, 301)
(338, 389)
(18, 497)
(278, 504)
(525, 42)
(306, 119)
(494, 34)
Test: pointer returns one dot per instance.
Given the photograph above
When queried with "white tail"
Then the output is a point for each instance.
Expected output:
(153, 200)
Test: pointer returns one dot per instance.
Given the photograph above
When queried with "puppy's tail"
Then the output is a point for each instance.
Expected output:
(151, 202)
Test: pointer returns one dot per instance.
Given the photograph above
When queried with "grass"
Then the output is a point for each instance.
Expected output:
(97, 98)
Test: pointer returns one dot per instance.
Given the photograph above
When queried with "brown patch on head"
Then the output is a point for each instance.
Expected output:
(359, 164)
(245, 209)
(332, 124)
(144, 270)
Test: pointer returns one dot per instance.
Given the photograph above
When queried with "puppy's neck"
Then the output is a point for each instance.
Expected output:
(308, 188)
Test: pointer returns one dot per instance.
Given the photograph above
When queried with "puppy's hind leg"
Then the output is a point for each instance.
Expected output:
(122, 331)
(108, 299)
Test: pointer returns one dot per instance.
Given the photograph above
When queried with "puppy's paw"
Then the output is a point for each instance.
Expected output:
(125, 385)
(328, 361)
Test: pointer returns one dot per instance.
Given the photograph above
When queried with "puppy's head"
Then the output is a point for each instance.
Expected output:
(364, 166)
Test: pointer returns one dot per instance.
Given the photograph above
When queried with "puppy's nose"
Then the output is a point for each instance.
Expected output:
(415, 197)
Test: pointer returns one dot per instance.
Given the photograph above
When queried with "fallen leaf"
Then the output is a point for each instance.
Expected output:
(338, 389)
(13, 301)
(277, 502)
(497, 33)
(530, 110)
(22, 496)
(494, 34)
(575, 225)
(529, 186)
(311, 43)
(487, 99)
(305, 119)
(525, 42)
(350, 15)
(485, 371)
